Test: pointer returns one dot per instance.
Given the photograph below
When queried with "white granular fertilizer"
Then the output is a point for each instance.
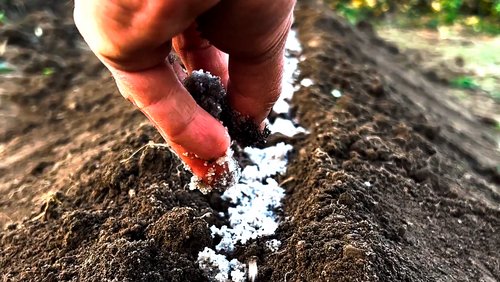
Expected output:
(256, 195)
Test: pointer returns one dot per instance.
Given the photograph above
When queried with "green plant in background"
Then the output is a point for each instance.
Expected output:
(357, 10)
(496, 96)
(48, 71)
(450, 10)
(477, 15)
(5, 68)
(2, 17)
(464, 82)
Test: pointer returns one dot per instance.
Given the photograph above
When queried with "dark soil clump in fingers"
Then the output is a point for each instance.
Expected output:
(208, 92)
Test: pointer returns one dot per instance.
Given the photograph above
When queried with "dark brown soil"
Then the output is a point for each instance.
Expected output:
(391, 184)
(208, 92)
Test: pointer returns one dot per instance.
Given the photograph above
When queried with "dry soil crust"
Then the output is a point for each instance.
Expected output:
(374, 193)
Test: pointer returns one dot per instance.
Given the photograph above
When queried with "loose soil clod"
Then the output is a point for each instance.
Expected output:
(208, 92)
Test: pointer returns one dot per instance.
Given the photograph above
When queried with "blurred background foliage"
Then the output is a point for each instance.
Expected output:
(474, 15)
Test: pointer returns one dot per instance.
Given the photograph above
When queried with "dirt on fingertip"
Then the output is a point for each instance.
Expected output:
(390, 183)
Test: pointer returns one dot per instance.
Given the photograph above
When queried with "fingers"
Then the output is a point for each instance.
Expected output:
(253, 33)
(255, 81)
(254, 87)
(163, 99)
(135, 34)
(197, 53)
(133, 38)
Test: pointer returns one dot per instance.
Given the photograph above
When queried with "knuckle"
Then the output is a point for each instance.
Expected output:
(113, 29)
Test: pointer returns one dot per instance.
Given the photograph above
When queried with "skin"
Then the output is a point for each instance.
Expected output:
(239, 40)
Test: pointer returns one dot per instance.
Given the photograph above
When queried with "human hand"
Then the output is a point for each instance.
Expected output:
(134, 37)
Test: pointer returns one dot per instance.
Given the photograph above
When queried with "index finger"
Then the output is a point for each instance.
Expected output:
(186, 127)
(163, 99)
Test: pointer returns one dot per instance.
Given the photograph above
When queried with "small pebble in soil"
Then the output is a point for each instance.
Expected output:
(352, 252)
(336, 93)
(253, 269)
(306, 82)
(346, 199)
